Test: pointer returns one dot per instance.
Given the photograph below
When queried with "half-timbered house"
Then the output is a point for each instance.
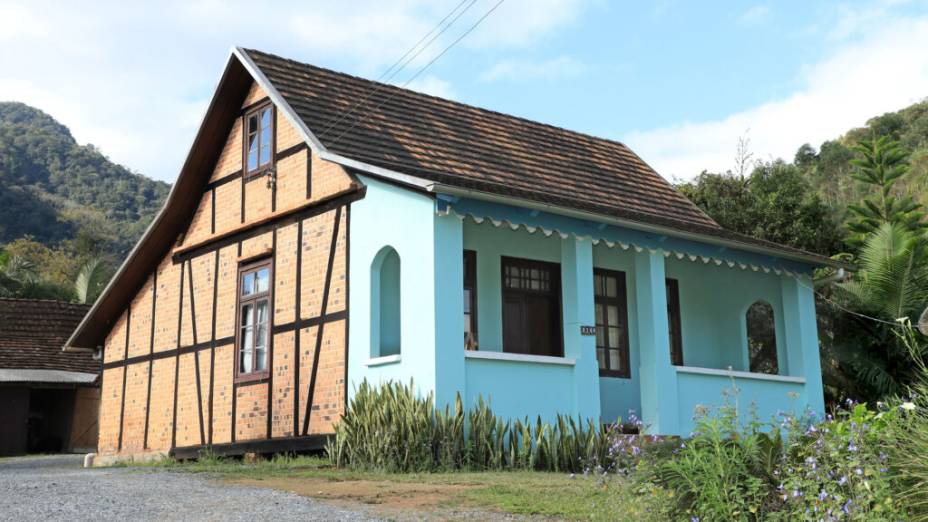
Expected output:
(326, 229)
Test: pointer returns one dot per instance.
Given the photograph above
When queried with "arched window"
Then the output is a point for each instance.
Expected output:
(385, 303)
(762, 338)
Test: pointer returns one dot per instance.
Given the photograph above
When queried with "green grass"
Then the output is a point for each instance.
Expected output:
(572, 497)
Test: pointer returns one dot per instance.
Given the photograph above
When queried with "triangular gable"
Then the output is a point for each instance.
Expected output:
(180, 205)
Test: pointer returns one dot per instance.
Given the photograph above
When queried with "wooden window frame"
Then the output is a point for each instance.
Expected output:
(621, 299)
(246, 130)
(245, 267)
(674, 322)
(555, 292)
(470, 283)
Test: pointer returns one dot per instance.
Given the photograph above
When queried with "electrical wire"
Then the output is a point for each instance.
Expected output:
(403, 61)
(422, 69)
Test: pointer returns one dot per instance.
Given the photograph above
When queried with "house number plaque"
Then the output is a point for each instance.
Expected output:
(587, 330)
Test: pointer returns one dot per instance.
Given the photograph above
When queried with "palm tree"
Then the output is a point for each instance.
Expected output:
(91, 280)
(16, 274)
(892, 283)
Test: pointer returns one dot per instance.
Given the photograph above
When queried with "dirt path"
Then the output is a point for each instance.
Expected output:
(391, 500)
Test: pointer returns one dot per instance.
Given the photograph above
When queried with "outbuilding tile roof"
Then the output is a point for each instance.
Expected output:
(33, 331)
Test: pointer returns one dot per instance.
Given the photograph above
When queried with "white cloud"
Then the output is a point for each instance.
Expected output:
(884, 69)
(526, 70)
(755, 14)
(432, 85)
(134, 78)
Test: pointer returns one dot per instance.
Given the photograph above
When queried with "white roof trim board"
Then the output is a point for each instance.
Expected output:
(47, 376)
(696, 258)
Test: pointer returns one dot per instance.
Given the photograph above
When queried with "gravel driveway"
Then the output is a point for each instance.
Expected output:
(49, 488)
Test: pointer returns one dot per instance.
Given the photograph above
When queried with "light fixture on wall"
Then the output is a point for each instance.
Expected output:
(272, 178)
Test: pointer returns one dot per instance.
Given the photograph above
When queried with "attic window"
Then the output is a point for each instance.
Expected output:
(259, 139)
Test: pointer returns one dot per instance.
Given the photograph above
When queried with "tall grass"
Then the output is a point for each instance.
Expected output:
(391, 428)
(907, 447)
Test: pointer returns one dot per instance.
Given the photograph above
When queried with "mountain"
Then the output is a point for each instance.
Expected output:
(55, 190)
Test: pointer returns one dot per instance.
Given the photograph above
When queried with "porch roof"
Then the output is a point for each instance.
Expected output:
(732, 254)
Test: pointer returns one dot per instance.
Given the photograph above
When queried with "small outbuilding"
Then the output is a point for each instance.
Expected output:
(49, 399)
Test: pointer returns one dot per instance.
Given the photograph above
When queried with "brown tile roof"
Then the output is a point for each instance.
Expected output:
(33, 331)
(456, 144)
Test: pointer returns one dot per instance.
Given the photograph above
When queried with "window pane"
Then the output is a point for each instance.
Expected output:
(600, 336)
(262, 311)
(266, 119)
(466, 301)
(261, 280)
(613, 315)
(614, 360)
(247, 317)
(265, 157)
(599, 314)
(248, 283)
(614, 337)
(597, 285)
(252, 143)
(260, 359)
(611, 284)
(601, 358)
(253, 159)
(245, 352)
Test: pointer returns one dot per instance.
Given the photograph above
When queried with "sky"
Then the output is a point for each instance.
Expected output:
(680, 82)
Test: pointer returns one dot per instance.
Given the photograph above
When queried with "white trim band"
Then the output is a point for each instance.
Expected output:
(519, 357)
(740, 375)
(386, 359)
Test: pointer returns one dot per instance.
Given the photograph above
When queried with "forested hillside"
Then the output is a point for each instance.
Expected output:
(68, 215)
(53, 189)
(803, 201)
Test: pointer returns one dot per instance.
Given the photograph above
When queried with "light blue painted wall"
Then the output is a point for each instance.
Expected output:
(713, 303)
(532, 386)
(491, 245)
(518, 390)
(765, 398)
(389, 216)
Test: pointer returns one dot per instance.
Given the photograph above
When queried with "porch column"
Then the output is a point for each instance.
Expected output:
(801, 332)
(658, 379)
(449, 309)
(578, 310)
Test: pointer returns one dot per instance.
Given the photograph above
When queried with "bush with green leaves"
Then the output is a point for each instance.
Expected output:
(392, 428)
(797, 468)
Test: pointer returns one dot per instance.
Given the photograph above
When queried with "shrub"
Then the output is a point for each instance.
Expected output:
(721, 472)
(794, 469)
(391, 428)
(836, 469)
(907, 444)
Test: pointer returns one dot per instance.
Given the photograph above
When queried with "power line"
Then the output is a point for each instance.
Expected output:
(423, 68)
(401, 63)
(845, 310)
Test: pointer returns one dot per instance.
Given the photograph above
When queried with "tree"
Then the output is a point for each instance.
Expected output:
(891, 284)
(881, 162)
(91, 280)
(775, 203)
